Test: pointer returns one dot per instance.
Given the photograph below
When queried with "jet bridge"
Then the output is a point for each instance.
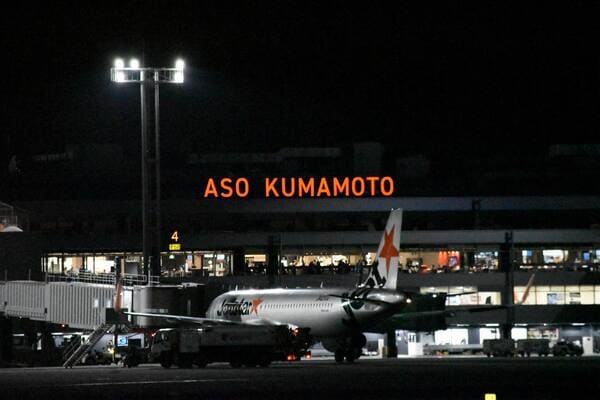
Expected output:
(89, 305)
(76, 304)
(83, 304)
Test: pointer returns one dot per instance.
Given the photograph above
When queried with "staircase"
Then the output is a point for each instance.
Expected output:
(73, 345)
(75, 354)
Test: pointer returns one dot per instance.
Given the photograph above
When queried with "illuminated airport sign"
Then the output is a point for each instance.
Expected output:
(174, 243)
(300, 187)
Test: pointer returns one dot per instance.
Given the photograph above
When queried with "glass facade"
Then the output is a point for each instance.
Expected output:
(174, 264)
(471, 298)
(567, 258)
(560, 294)
(538, 295)
(419, 261)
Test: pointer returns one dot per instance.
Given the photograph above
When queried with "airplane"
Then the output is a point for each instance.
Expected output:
(337, 317)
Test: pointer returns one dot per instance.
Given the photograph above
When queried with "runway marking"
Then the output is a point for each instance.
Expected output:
(112, 383)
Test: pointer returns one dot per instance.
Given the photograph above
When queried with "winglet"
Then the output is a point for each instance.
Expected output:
(526, 294)
(385, 274)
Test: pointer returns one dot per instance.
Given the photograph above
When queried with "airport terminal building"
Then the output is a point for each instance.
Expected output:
(482, 231)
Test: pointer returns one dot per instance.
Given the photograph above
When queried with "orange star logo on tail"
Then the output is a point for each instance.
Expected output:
(255, 303)
(388, 250)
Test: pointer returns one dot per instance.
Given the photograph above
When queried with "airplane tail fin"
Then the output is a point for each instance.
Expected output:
(385, 273)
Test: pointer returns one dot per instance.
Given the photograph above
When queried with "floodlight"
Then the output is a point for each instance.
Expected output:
(178, 77)
(149, 78)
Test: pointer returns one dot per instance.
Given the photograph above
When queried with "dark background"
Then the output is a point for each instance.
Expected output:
(460, 79)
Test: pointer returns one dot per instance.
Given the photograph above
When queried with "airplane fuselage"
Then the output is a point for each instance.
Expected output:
(327, 312)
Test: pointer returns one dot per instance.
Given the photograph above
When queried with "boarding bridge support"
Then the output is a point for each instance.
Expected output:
(6, 343)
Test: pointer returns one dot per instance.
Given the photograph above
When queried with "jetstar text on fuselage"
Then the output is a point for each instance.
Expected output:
(234, 308)
(287, 187)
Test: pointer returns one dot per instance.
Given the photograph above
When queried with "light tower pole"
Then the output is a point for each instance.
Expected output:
(149, 78)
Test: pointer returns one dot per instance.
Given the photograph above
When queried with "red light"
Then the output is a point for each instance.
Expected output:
(292, 357)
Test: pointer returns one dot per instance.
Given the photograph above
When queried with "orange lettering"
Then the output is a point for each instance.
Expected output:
(323, 188)
(238, 187)
(306, 187)
(284, 188)
(288, 187)
(270, 187)
(226, 186)
(390, 189)
(372, 180)
(211, 189)
(341, 187)
(356, 192)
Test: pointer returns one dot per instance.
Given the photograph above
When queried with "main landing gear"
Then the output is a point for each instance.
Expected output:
(349, 354)
(351, 349)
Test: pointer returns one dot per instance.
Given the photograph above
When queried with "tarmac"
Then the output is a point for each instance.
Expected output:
(431, 377)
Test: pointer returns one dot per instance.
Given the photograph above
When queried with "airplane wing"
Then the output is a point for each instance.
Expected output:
(475, 309)
(434, 318)
(460, 294)
(205, 321)
(263, 322)
(428, 321)
(183, 318)
(413, 321)
(351, 298)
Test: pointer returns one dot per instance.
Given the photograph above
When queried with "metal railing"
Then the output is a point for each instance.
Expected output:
(106, 279)
(135, 279)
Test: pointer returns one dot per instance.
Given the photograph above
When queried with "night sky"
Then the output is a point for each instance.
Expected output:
(470, 78)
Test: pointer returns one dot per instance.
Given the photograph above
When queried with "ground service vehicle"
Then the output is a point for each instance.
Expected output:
(499, 347)
(566, 348)
(237, 344)
(540, 347)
